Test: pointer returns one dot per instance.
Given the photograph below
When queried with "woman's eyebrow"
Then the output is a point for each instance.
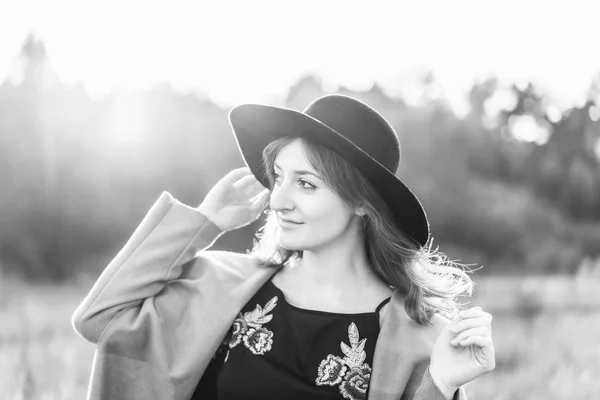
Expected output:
(301, 172)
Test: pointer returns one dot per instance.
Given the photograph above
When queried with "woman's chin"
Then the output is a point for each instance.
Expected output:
(289, 243)
(288, 246)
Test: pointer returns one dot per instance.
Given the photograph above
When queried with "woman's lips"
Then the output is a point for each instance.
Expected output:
(286, 223)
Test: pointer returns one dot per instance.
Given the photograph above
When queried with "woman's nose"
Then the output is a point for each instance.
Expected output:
(281, 199)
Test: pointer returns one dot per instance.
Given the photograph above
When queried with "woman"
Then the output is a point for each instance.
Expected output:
(340, 297)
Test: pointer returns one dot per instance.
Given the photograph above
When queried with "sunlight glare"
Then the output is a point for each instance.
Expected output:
(594, 113)
(503, 99)
(526, 128)
(126, 122)
(553, 113)
(256, 52)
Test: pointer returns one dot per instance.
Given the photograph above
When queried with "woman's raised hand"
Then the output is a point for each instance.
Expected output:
(463, 351)
(235, 201)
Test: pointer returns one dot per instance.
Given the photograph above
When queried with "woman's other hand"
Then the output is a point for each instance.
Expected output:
(463, 351)
(235, 201)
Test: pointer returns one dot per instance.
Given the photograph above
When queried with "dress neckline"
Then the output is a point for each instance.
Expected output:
(327, 313)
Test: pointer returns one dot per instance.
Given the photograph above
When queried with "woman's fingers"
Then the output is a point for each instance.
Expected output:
(249, 185)
(479, 331)
(473, 322)
(235, 174)
(481, 341)
(252, 191)
(244, 181)
(471, 312)
(469, 323)
(260, 200)
(467, 318)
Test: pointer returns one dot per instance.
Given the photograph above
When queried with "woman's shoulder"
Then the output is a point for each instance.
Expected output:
(438, 323)
(404, 335)
(432, 330)
(428, 331)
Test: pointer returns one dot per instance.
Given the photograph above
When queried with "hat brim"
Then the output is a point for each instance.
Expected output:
(255, 126)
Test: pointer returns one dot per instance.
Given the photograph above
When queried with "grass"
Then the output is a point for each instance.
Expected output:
(41, 356)
(544, 349)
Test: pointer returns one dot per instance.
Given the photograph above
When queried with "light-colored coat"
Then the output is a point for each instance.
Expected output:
(163, 305)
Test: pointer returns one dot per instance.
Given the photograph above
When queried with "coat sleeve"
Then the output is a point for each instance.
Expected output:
(169, 235)
(429, 391)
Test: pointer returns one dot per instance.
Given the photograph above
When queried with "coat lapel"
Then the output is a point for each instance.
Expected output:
(390, 367)
(402, 353)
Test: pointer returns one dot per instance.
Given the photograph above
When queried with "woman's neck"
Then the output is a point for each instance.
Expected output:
(334, 278)
(342, 264)
(335, 264)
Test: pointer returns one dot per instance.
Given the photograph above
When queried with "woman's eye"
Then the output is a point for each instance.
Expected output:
(301, 182)
(306, 185)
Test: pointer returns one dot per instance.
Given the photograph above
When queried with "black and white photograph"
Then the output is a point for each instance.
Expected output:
(325, 200)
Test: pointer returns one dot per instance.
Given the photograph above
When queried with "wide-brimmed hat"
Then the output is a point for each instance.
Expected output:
(347, 126)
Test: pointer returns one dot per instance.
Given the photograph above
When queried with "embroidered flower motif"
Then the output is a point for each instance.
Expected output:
(248, 328)
(352, 371)
(258, 341)
(331, 371)
(356, 382)
(240, 327)
(354, 355)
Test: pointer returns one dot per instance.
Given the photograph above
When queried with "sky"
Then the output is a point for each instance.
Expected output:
(252, 51)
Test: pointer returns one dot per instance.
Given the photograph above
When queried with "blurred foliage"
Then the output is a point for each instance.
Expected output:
(514, 185)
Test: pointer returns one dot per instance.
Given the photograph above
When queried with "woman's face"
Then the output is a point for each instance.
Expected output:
(309, 214)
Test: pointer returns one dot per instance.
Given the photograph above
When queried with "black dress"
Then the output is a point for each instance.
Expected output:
(278, 351)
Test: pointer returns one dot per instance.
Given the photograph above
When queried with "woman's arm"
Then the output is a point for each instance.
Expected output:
(170, 235)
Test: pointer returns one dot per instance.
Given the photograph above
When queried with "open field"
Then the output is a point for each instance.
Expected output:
(546, 332)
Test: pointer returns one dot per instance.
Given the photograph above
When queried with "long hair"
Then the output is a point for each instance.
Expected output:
(428, 280)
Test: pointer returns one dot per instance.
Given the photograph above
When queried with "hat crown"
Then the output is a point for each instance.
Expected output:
(361, 125)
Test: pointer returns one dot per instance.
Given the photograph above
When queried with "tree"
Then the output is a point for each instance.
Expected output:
(34, 61)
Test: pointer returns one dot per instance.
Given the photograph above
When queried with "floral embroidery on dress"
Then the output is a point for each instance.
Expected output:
(258, 341)
(331, 371)
(356, 382)
(351, 372)
(248, 329)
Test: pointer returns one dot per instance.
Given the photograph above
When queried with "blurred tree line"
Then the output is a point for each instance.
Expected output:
(513, 186)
